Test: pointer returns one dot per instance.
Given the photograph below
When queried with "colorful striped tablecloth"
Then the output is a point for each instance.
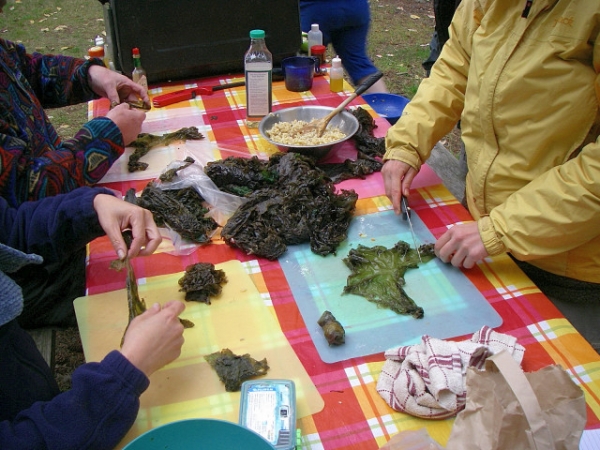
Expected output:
(354, 415)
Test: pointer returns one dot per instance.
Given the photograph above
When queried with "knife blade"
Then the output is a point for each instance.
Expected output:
(188, 94)
(406, 211)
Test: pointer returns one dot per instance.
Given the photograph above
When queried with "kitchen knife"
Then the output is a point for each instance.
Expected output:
(188, 94)
(406, 216)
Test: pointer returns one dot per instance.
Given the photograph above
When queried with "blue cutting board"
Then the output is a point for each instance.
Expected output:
(453, 306)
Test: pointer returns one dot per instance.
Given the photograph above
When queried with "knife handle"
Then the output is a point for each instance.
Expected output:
(179, 96)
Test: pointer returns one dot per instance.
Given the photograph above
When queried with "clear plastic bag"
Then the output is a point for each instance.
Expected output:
(221, 205)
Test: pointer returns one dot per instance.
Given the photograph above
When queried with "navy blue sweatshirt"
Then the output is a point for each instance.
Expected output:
(104, 400)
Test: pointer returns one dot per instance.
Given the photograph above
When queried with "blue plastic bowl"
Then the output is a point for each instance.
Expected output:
(388, 106)
(199, 433)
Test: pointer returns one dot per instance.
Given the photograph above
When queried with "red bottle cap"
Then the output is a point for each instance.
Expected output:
(318, 50)
(136, 51)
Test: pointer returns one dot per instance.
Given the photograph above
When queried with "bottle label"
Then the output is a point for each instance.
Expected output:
(258, 90)
(141, 80)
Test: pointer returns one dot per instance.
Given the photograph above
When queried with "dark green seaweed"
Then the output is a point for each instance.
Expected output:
(378, 275)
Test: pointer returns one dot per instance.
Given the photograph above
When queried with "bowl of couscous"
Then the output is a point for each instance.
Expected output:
(286, 129)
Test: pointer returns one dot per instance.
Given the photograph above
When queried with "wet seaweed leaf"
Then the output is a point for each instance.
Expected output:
(202, 281)
(378, 275)
(146, 141)
(233, 370)
(180, 209)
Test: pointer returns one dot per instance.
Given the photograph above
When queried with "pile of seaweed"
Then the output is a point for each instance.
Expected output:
(182, 210)
(289, 201)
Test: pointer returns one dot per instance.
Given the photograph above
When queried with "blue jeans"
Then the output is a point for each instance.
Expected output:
(345, 25)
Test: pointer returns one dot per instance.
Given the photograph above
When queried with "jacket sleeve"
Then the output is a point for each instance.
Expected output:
(95, 413)
(52, 227)
(34, 161)
(436, 107)
(556, 212)
(57, 80)
(80, 161)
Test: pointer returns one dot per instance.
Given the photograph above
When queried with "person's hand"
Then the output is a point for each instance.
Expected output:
(116, 87)
(461, 245)
(116, 215)
(154, 338)
(397, 178)
(128, 119)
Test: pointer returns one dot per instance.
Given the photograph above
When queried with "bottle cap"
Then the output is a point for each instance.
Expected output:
(317, 50)
(257, 34)
(96, 52)
(336, 62)
(314, 27)
(135, 51)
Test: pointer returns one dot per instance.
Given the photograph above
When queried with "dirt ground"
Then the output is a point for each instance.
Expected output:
(69, 351)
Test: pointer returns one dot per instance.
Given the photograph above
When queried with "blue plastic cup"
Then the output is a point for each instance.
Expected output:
(298, 72)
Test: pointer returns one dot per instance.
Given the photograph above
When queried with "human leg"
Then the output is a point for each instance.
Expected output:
(49, 291)
(25, 377)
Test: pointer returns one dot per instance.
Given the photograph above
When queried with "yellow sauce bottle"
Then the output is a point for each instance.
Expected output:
(336, 75)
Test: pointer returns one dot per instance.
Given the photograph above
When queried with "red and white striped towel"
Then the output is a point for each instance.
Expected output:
(427, 380)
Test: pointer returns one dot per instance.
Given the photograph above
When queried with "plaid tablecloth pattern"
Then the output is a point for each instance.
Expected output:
(354, 416)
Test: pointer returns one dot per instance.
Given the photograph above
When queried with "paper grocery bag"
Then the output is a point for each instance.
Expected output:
(509, 409)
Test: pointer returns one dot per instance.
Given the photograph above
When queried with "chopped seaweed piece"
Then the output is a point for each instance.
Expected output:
(202, 281)
(364, 165)
(332, 330)
(169, 174)
(180, 209)
(146, 141)
(233, 370)
(135, 304)
(378, 275)
(296, 204)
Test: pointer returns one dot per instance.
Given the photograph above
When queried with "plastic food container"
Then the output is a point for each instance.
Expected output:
(268, 407)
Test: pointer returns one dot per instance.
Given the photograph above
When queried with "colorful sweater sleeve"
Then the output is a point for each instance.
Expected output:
(96, 413)
(34, 161)
(57, 80)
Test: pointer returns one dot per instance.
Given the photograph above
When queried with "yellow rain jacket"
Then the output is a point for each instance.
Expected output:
(526, 90)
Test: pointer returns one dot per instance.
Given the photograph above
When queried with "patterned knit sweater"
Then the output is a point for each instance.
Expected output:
(34, 161)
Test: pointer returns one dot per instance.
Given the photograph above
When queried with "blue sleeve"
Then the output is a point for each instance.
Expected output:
(54, 226)
(96, 413)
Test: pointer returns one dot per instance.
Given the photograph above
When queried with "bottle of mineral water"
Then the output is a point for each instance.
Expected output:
(258, 68)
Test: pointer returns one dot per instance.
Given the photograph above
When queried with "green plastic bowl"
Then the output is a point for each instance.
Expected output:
(199, 433)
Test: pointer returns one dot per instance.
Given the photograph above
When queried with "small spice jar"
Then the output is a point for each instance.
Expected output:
(319, 52)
